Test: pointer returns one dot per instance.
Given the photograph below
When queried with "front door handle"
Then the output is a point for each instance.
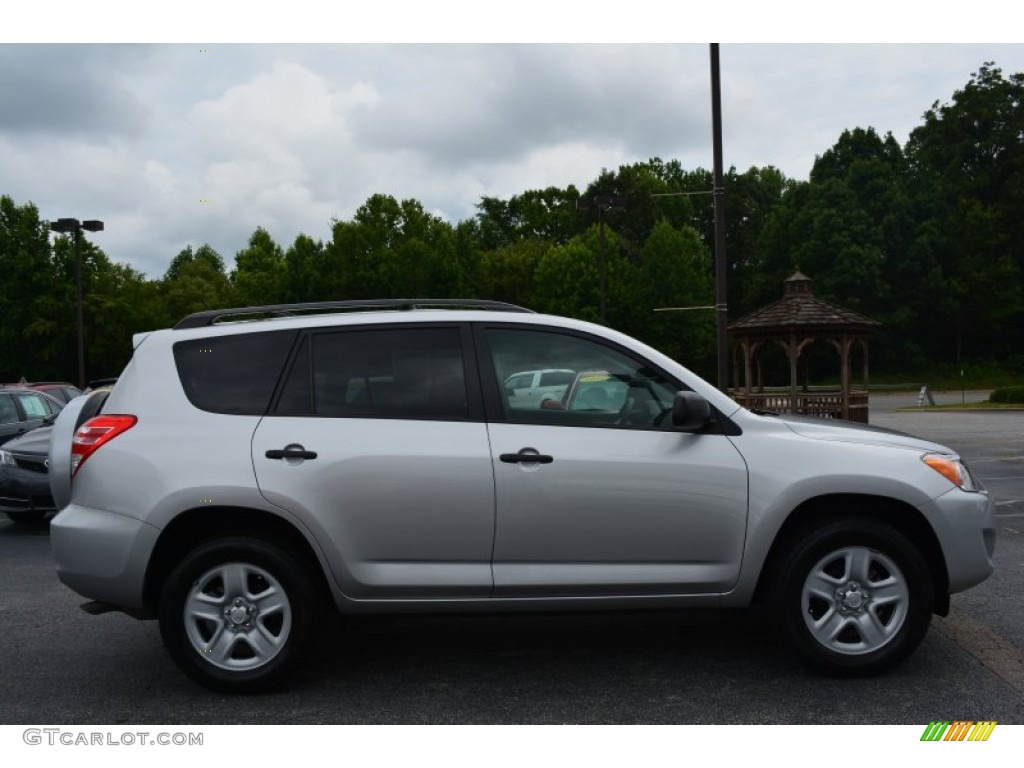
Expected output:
(526, 455)
(290, 453)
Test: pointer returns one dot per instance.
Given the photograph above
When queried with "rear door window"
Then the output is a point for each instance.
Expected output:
(404, 373)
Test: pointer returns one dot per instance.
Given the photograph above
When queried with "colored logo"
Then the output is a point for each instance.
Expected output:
(958, 730)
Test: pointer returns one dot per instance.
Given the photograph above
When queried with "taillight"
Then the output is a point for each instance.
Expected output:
(94, 433)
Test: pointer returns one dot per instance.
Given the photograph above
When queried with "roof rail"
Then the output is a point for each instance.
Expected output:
(213, 316)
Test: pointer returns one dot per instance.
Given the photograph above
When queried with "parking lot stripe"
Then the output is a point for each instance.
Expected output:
(990, 648)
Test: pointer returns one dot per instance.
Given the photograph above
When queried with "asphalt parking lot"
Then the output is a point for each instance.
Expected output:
(62, 666)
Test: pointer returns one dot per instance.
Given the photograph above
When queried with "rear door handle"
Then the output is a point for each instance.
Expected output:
(290, 453)
(524, 456)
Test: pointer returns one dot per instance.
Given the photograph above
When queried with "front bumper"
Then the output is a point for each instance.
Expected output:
(102, 555)
(25, 491)
(965, 525)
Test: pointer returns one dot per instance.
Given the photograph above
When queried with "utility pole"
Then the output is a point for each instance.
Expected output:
(602, 203)
(721, 305)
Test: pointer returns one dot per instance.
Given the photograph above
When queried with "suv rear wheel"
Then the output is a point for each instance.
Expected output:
(853, 597)
(238, 614)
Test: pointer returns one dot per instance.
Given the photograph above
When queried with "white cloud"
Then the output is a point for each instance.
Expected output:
(287, 137)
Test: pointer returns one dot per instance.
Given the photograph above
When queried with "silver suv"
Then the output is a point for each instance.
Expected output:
(253, 467)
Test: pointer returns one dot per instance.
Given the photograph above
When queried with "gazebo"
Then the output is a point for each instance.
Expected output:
(794, 322)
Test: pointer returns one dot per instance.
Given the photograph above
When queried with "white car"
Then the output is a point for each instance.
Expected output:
(528, 389)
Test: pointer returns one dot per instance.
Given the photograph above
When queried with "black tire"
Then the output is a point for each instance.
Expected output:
(28, 518)
(851, 597)
(264, 606)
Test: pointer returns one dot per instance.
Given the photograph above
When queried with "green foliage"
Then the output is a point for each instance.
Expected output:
(194, 282)
(27, 301)
(548, 215)
(393, 250)
(508, 273)
(303, 265)
(259, 275)
(1008, 395)
(674, 273)
(967, 166)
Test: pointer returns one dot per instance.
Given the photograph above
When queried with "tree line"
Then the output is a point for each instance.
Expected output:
(925, 237)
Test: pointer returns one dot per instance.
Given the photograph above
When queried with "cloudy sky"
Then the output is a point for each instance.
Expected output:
(176, 143)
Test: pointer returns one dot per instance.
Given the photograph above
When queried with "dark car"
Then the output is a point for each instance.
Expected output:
(25, 472)
(22, 410)
(24, 477)
(59, 390)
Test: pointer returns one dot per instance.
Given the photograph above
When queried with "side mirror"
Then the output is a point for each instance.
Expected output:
(690, 412)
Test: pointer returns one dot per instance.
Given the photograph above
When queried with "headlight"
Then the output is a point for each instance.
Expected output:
(7, 459)
(951, 468)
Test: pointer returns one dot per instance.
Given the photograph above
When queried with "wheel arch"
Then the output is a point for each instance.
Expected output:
(902, 517)
(195, 526)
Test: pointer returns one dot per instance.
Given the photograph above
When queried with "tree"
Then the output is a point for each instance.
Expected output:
(119, 302)
(675, 272)
(393, 250)
(195, 281)
(548, 215)
(509, 273)
(33, 297)
(260, 272)
(967, 165)
(568, 281)
(304, 266)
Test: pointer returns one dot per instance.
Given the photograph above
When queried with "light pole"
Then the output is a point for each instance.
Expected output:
(75, 227)
(602, 203)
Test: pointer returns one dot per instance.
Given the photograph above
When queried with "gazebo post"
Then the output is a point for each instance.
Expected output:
(847, 342)
(735, 368)
(793, 353)
(864, 351)
(746, 367)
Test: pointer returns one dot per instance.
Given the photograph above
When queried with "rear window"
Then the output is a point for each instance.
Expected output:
(233, 374)
(33, 405)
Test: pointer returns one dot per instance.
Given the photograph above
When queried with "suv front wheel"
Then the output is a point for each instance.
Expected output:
(852, 597)
(238, 614)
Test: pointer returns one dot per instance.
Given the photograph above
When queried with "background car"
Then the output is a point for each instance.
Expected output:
(24, 477)
(25, 495)
(22, 410)
(530, 388)
(59, 390)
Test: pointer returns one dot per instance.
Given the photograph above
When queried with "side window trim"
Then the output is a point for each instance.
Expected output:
(304, 337)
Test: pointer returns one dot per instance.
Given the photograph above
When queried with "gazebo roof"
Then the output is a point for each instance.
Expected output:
(799, 310)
